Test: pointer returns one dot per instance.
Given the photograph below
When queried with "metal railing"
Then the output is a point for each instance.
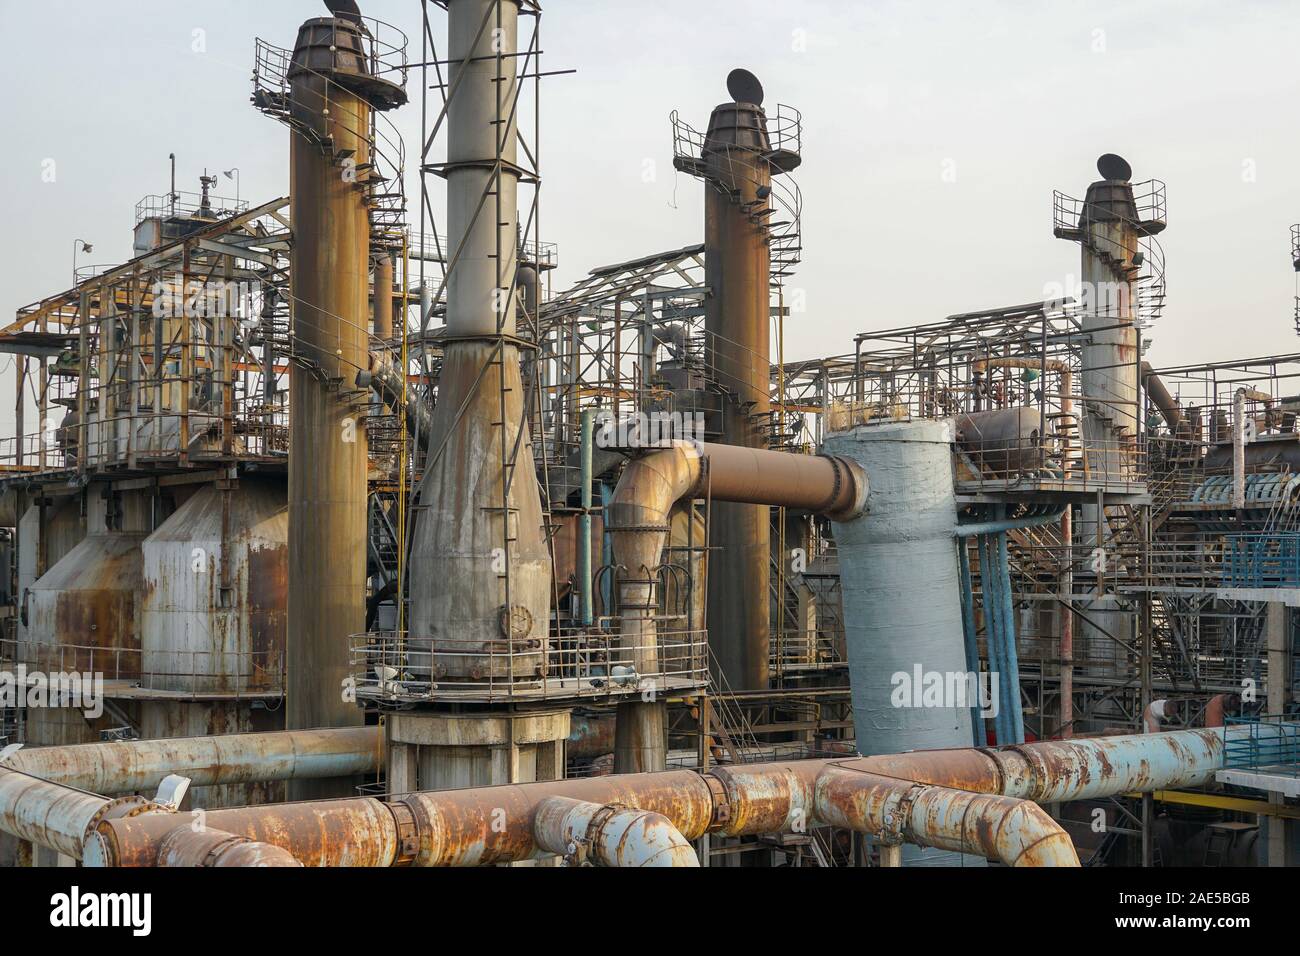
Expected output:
(178, 672)
(394, 668)
(1261, 561)
(156, 206)
(819, 649)
(1270, 742)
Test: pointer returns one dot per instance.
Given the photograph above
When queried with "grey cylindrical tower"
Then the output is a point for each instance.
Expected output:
(480, 566)
(738, 320)
(901, 592)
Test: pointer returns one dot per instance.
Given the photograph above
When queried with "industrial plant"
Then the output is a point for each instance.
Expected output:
(337, 533)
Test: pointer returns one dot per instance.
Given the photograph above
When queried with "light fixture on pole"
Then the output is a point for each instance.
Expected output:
(83, 246)
(233, 174)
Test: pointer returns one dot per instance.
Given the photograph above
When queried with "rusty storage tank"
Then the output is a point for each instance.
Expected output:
(1007, 442)
(215, 592)
(213, 622)
(83, 617)
(41, 544)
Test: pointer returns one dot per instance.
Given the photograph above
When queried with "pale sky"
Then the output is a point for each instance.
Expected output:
(1016, 97)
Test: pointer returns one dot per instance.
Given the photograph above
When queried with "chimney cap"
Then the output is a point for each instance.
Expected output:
(744, 87)
(1113, 166)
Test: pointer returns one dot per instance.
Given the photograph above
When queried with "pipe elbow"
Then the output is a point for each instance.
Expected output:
(215, 848)
(610, 835)
(652, 484)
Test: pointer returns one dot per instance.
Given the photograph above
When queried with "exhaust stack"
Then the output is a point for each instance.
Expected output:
(480, 566)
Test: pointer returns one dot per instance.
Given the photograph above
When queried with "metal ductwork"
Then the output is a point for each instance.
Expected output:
(637, 517)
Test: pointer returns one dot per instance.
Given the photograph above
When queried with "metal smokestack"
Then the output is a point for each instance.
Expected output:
(738, 320)
(331, 94)
(480, 567)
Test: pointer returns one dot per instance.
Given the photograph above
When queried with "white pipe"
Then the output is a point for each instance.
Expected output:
(612, 835)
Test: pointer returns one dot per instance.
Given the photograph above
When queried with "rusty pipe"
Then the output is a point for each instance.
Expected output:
(496, 824)
(47, 814)
(130, 765)
(637, 517)
(610, 834)
(1016, 832)
(355, 832)
(212, 848)
(472, 827)
(1160, 397)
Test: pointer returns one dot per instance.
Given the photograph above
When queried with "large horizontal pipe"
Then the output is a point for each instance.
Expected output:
(132, 765)
(497, 824)
(1015, 832)
(46, 814)
(823, 484)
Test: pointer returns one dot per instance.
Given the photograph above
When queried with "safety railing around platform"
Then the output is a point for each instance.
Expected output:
(1266, 742)
(396, 668)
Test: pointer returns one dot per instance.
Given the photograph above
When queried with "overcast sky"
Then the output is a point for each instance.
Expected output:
(1011, 99)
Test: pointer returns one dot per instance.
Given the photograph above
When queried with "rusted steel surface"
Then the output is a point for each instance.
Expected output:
(221, 629)
(1016, 832)
(360, 832)
(46, 813)
(766, 798)
(494, 824)
(212, 848)
(610, 835)
(124, 766)
(84, 612)
(822, 484)
(973, 801)
(328, 456)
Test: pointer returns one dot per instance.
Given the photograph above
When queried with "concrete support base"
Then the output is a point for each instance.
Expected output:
(432, 751)
(641, 738)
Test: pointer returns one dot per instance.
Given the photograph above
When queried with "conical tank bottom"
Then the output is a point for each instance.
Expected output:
(480, 567)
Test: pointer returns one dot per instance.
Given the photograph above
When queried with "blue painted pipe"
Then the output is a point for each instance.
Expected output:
(972, 643)
(1006, 524)
(1011, 657)
(992, 632)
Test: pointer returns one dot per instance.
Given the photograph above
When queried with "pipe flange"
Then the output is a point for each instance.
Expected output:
(897, 817)
(408, 832)
(121, 808)
(721, 805)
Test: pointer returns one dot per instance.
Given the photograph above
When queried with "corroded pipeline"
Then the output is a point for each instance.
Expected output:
(1016, 832)
(356, 832)
(46, 814)
(212, 848)
(128, 766)
(637, 517)
(971, 800)
(445, 828)
(612, 835)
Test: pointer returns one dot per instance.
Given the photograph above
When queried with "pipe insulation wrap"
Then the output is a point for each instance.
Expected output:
(901, 589)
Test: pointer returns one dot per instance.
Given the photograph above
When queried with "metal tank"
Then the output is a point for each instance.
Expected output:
(83, 617)
(216, 590)
(901, 595)
(480, 569)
